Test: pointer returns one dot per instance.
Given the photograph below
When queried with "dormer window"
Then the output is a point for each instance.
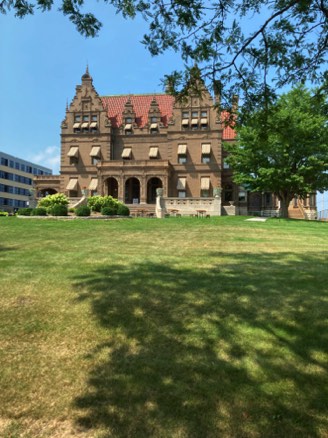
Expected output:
(128, 126)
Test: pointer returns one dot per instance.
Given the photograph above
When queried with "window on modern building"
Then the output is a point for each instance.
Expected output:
(153, 152)
(16, 165)
(11, 163)
(4, 161)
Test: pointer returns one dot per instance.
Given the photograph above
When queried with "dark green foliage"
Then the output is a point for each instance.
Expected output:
(83, 210)
(24, 211)
(96, 203)
(39, 211)
(58, 210)
(284, 148)
(123, 210)
(249, 48)
(109, 211)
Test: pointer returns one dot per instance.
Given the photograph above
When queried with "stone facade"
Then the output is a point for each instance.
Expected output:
(129, 146)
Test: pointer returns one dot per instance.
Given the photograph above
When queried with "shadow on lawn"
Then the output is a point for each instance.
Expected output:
(231, 352)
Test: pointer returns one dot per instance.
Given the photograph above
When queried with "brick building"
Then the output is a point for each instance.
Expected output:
(129, 146)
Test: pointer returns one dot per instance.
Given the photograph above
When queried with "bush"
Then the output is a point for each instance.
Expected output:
(4, 213)
(123, 210)
(83, 210)
(51, 200)
(39, 211)
(24, 211)
(71, 210)
(108, 211)
(58, 210)
(97, 203)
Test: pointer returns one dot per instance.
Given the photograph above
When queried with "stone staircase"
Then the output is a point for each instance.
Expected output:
(295, 213)
(142, 210)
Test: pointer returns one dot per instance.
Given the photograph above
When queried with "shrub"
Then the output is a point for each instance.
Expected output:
(108, 211)
(39, 211)
(123, 210)
(96, 203)
(24, 211)
(51, 200)
(83, 210)
(71, 210)
(4, 213)
(58, 210)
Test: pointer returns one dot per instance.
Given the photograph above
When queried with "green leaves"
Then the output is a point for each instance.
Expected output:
(284, 147)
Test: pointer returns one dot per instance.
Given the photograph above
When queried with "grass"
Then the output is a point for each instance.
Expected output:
(177, 328)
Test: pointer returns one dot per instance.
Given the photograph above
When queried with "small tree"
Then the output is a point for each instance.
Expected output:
(284, 147)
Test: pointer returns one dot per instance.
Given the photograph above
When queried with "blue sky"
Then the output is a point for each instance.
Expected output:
(42, 60)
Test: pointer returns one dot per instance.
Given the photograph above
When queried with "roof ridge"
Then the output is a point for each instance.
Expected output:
(138, 94)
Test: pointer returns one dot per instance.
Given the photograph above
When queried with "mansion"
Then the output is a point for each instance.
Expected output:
(129, 146)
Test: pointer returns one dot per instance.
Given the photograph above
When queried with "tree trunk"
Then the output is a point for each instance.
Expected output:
(284, 204)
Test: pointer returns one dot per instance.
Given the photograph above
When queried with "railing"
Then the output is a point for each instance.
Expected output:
(323, 215)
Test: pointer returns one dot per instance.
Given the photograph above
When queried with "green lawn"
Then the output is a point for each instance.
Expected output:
(172, 328)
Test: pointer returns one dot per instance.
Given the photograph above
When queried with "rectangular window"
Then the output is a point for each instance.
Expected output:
(181, 194)
(95, 160)
(194, 114)
(16, 165)
(128, 119)
(94, 118)
(23, 167)
(11, 163)
(4, 161)
(77, 118)
(225, 164)
(85, 118)
(182, 159)
(206, 159)
(203, 114)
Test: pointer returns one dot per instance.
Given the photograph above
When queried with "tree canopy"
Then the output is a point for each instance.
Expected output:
(284, 148)
(244, 47)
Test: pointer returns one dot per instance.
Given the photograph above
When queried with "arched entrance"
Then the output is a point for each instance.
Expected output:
(46, 192)
(132, 191)
(112, 187)
(152, 185)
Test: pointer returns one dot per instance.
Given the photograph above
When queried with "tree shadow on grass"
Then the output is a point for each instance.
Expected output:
(235, 351)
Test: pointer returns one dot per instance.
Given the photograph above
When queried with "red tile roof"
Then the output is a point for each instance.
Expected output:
(228, 132)
(141, 104)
